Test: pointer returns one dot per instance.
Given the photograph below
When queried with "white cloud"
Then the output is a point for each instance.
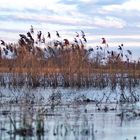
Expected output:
(53, 5)
(115, 37)
(131, 5)
(63, 13)
(27, 3)
(136, 25)
(109, 22)
(88, 1)
(128, 5)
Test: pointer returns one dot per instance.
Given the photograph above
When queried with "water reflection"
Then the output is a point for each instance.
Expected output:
(46, 116)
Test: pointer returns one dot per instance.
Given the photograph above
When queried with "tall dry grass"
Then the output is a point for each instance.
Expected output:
(68, 67)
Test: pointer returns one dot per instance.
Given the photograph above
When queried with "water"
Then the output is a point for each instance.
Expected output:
(68, 114)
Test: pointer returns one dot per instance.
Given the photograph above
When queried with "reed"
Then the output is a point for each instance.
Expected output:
(69, 67)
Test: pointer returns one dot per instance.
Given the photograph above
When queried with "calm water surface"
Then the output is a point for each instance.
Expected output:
(68, 114)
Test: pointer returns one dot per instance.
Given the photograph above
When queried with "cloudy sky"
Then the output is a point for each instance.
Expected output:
(116, 20)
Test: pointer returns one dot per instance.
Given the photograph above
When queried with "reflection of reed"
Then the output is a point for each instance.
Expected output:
(78, 121)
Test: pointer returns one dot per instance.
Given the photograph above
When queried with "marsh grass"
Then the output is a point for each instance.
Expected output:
(68, 68)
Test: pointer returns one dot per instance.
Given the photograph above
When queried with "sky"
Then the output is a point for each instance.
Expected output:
(116, 20)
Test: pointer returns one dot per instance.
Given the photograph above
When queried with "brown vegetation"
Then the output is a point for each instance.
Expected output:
(72, 65)
(66, 63)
